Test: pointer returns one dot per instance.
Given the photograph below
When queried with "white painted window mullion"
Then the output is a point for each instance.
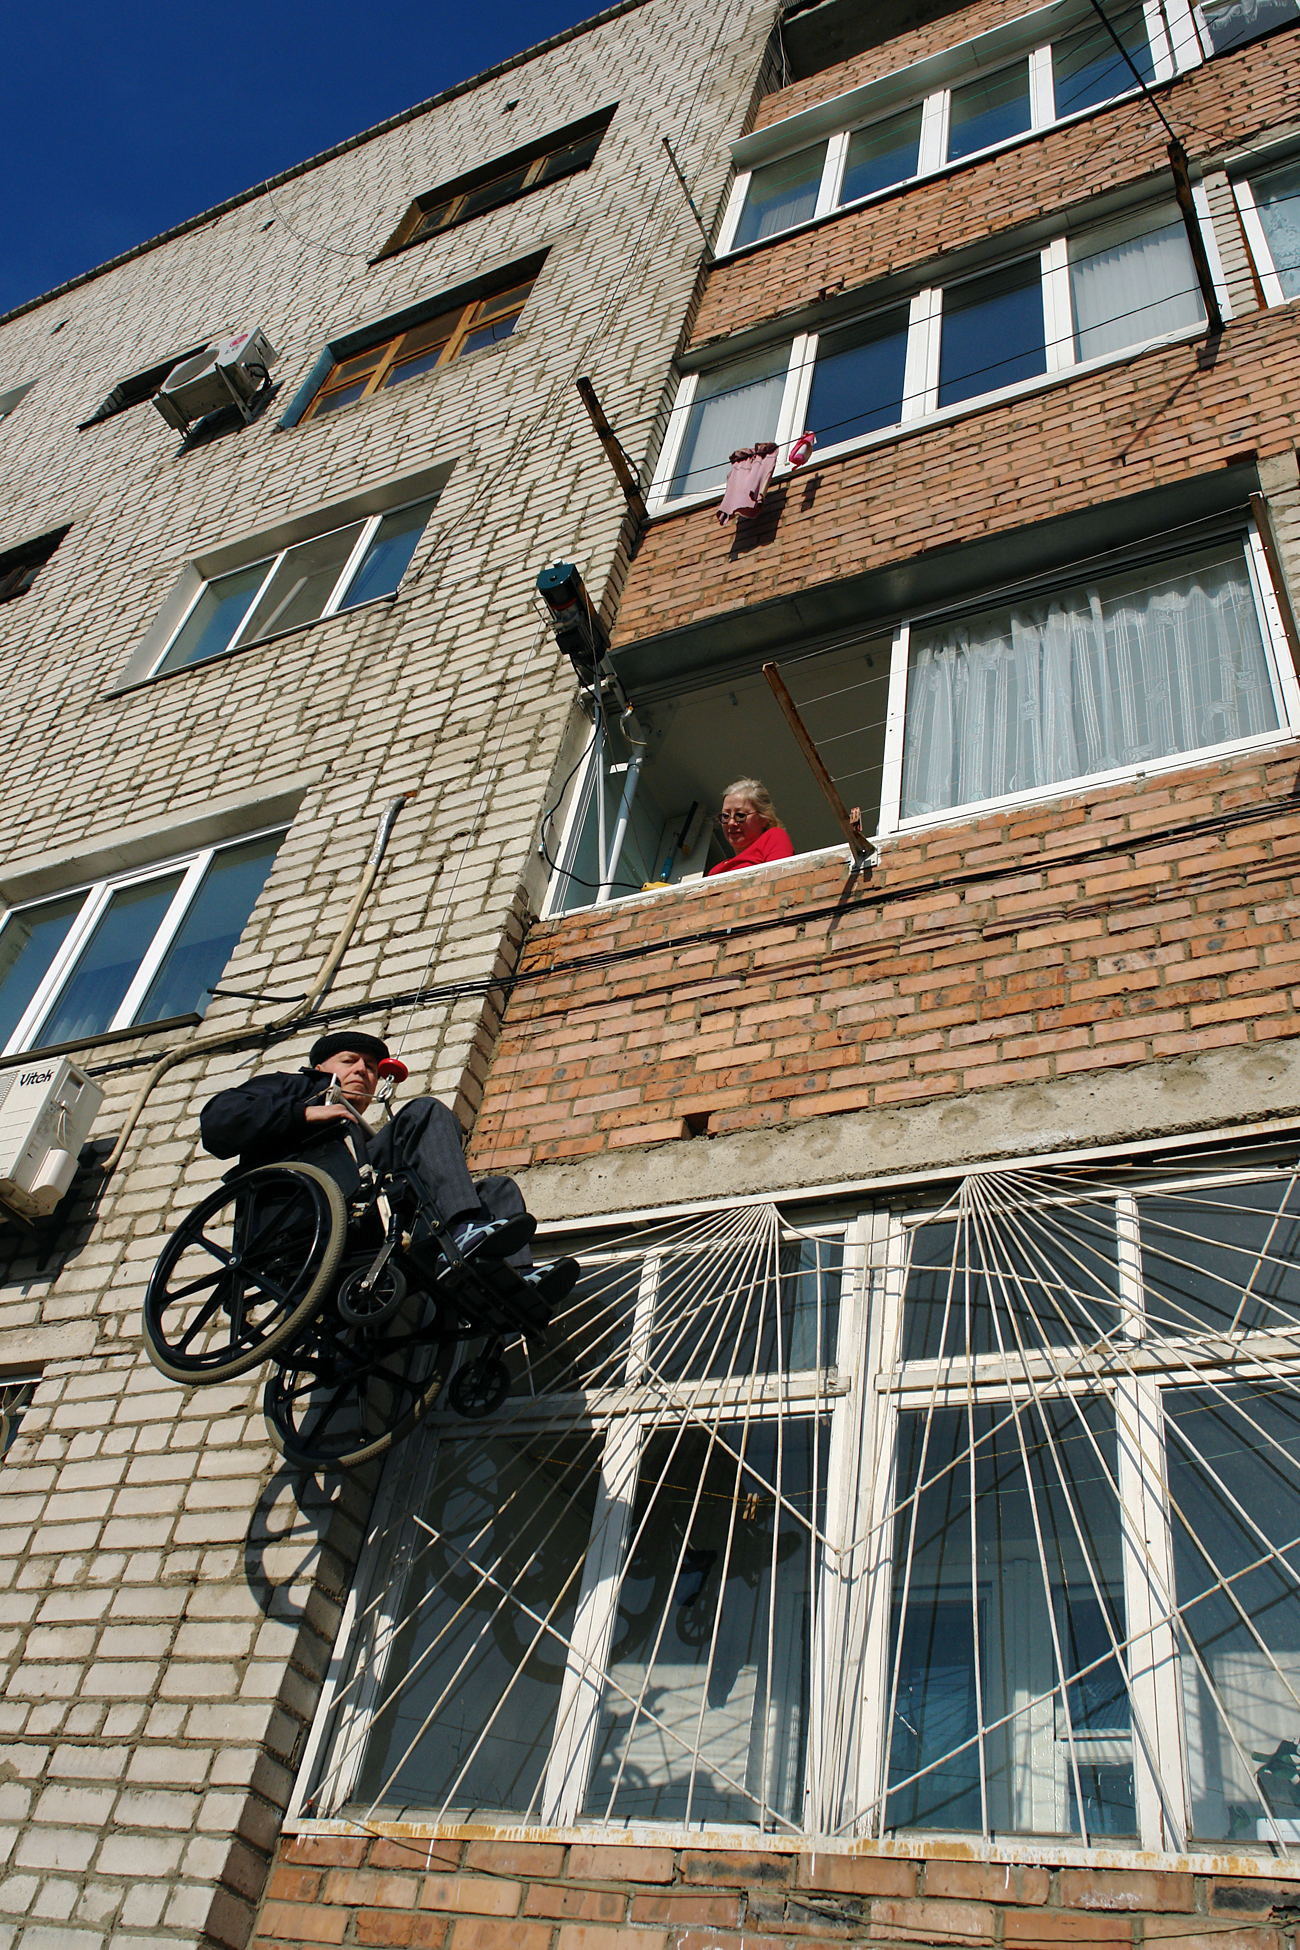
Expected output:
(793, 416)
(368, 532)
(891, 780)
(933, 150)
(828, 194)
(1270, 282)
(57, 973)
(1205, 217)
(1184, 40)
(879, 1424)
(921, 369)
(673, 437)
(162, 940)
(1042, 90)
(731, 216)
(1281, 667)
(262, 587)
(1058, 323)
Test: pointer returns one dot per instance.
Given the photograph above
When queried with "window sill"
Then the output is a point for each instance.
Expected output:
(133, 1031)
(678, 888)
(944, 416)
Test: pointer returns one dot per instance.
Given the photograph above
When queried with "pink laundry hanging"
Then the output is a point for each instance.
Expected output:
(751, 470)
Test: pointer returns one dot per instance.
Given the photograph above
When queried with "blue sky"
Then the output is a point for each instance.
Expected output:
(119, 121)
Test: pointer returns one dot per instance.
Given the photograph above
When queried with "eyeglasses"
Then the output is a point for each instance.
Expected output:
(733, 818)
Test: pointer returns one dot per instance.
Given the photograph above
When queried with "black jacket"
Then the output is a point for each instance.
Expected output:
(263, 1121)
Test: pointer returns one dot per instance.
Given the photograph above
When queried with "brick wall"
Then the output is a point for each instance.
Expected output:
(1116, 927)
(447, 1894)
(1224, 105)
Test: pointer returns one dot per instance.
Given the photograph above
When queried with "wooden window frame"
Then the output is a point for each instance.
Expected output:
(384, 355)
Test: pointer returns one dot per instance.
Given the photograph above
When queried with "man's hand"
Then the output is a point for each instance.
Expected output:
(330, 1114)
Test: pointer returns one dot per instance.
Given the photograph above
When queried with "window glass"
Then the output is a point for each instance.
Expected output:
(993, 333)
(388, 557)
(1018, 1626)
(574, 155)
(1222, 1260)
(1277, 199)
(1234, 22)
(468, 1708)
(1133, 288)
(304, 582)
(992, 108)
(1233, 1460)
(207, 936)
(493, 193)
(211, 625)
(880, 155)
(1139, 666)
(858, 380)
(1052, 1279)
(781, 194)
(1088, 68)
(587, 1344)
(733, 407)
(29, 941)
(107, 965)
(705, 1715)
(732, 1312)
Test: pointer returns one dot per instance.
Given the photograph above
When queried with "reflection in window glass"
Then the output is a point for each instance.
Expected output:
(1088, 68)
(587, 1344)
(303, 583)
(780, 194)
(1134, 288)
(29, 941)
(990, 109)
(883, 154)
(1046, 1563)
(1234, 22)
(857, 385)
(388, 557)
(212, 623)
(993, 333)
(733, 407)
(705, 1716)
(107, 965)
(207, 937)
(731, 1311)
(473, 1679)
(1233, 1457)
(1052, 1279)
(1222, 1260)
(1277, 199)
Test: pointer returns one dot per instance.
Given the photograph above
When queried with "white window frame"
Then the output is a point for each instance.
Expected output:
(921, 379)
(810, 1395)
(1174, 47)
(97, 896)
(241, 640)
(1256, 236)
(1282, 680)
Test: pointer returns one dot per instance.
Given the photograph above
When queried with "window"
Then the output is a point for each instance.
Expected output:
(142, 947)
(1127, 662)
(563, 153)
(16, 1392)
(435, 342)
(321, 576)
(1231, 23)
(1090, 295)
(140, 386)
(19, 567)
(1075, 72)
(974, 1512)
(1270, 211)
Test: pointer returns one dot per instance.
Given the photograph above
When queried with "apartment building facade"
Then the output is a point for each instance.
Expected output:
(896, 1541)
(247, 650)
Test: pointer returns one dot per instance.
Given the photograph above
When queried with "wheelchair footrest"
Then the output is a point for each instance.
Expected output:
(495, 1298)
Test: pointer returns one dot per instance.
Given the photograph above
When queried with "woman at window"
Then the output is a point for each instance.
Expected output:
(751, 827)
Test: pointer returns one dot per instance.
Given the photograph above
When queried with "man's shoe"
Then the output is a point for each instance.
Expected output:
(493, 1238)
(555, 1282)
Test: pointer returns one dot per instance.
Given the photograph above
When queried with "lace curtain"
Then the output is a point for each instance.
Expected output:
(1095, 678)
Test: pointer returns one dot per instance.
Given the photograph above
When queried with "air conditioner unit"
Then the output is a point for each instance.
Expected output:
(46, 1111)
(232, 374)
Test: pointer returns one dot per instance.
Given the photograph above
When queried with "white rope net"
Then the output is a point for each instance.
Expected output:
(978, 1516)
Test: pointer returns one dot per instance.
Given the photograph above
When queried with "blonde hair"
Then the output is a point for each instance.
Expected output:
(758, 796)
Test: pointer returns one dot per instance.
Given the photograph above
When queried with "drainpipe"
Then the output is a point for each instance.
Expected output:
(219, 1039)
(620, 829)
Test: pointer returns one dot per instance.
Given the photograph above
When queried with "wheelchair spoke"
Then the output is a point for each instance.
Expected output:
(175, 1293)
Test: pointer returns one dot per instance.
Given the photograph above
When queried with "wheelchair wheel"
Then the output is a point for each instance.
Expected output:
(479, 1387)
(360, 1308)
(244, 1273)
(343, 1395)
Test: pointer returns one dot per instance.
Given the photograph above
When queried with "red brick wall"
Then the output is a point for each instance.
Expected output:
(1120, 926)
(1155, 419)
(1223, 105)
(515, 1895)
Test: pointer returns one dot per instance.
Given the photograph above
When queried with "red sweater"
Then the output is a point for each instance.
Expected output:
(773, 844)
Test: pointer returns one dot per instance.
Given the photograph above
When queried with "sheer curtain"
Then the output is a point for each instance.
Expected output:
(732, 408)
(1134, 288)
(1164, 661)
(1277, 198)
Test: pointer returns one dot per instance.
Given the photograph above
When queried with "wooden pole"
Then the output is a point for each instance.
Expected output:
(850, 822)
(609, 441)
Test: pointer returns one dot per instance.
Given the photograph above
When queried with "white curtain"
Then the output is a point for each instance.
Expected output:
(1168, 660)
(1134, 288)
(732, 408)
(1277, 199)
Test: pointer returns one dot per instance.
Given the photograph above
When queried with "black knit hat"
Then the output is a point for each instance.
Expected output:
(346, 1039)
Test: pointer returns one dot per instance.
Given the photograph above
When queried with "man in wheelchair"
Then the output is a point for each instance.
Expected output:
(317, 1115)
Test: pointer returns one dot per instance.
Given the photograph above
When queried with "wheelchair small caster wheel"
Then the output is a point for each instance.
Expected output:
(480, 1387)
(371, 1307)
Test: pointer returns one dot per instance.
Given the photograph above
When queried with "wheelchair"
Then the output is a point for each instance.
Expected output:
(365, 1307)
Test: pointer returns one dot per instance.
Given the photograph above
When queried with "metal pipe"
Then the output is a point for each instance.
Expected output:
(620, 828)
(203, 1045)
(600, 793)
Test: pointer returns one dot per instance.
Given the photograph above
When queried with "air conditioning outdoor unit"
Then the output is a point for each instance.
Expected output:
(232, 374)
(46, 1111)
